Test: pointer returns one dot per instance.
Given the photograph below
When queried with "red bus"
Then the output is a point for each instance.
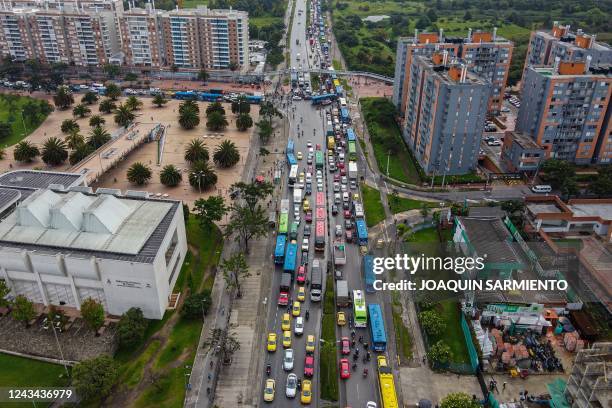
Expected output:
(320, 200)
(320, 236)
(320, 214)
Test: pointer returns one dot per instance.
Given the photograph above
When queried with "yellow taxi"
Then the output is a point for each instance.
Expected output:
(310, 343)
(269, 390)
(355, 197)
(306, 205)
(341, 318)
(301, 295)
(299, 155)
(286, 322)
(296, 309)
(271, 342)
(286, 339)
(301, 177)
(306, 396)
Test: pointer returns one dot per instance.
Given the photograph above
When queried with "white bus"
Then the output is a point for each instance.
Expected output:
(293, 172)
(342, 102)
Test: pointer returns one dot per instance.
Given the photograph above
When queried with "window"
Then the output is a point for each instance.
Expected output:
(170, 251)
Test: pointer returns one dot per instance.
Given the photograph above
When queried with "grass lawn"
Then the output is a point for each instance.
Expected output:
(265, 21)
(327, 354)
(15, 118)
(374, 210)
(400, 204)
(424, 235)
(403, 340)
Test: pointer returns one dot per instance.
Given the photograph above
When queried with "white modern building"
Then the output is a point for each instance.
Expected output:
(64, 243)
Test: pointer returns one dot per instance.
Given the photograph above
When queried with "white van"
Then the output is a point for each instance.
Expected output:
(542, 188)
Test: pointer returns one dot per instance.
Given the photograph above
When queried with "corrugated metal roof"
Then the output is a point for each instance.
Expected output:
(39, 179)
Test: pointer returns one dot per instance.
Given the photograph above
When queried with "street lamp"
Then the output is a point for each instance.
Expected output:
(199, 175)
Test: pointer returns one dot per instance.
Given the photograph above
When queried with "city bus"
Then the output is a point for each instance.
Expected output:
(319, 159)
(359, 309)
(368, 273)
(320, 199)
(386, 384)
(283, 224)
(320, 214)
(377, 327)
(362, 232)
(279, 251)
(350, 135)
(291, 160)
(293, 174)
(291, 258)
(320, 236)
(352, 150)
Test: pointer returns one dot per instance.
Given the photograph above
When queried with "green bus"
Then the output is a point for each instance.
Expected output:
(283, 223)
(319, 159)
(359, 309)
(352, 150)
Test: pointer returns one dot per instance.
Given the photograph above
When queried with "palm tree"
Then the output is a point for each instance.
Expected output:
(226, 154)
(112, 91)
(244, 122)
(63, 97)
(268, 110)
(69, 126)
(241, 105)
(97, 137)
(215, 107)
(216, 121)
(189, 105)
(90, 98)
(133, 103)
(96, 120)
(265, 130)
(203, 75)
(139, 174)
(54, 151)
(196, 151)
(202, 176)
(170, 176)
(79, 153)
(159, 100)
(124, 115)
(81, 111)
(74, 140)
(107, 106)
(25, 151)
(188, 118)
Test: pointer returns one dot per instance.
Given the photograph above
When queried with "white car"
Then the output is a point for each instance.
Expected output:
(309, 144)
(297, 98)
(291, 389)
(288, 360)
(305, 244)
(344, 180)
(371, 404)
(298, 329)
(338, 230)
(494, 143)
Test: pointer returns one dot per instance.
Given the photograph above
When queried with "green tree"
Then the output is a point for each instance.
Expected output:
(216, 121)
(4, 291)
(124, 115)
(95, 377)
(226, 154)
(233, 66)
(247, 224)
(139, 173)
(131, 328)
(159, 100)
(439, 353)
(459, 400)
(424, 210)
(54, 151)
(81, 111)
(89, 98)
(244, 121)
(79, 153)
(188, 118)
(98, 137)
(203, 75)
(107, 106)
(467, 16)
(561, 175)
(264, 128)
(215, 107)
(93, 313)
(202, 176)
(235, 269)
(111, 70)
(209, 210)
(133, 103)
(252, 193)
(432, 15)
(96, 120)
(113, 92)
(196, 305)
(241, 105)
(170, 176)
(23, 310)
(25, 151)
(267, 110)
(130, 77)
(224, 342)
(432, 323)
(63, 98)
(602, 185)
(6, 130)
(196, 151)
(69, 126)
(74, 140)
(189, 105)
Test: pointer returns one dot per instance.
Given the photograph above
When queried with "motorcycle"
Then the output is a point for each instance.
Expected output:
(355, 357)
(365, 372)
(307, 315)
(268, 370)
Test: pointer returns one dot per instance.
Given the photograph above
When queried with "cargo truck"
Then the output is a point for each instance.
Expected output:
(342, 294)
(352, 170)
(316, 281)
(285, 288)
(339, 253)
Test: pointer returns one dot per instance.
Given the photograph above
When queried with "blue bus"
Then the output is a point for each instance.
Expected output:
(290, 146)
(339, 90)
(368, 273)
(279, 251)
(255, 99)
(210, 97)
(350, 135)
(185, 95)
(318, 99)
(377, 327)
(362, 232)
(291, 160)
(291, 258)
(344, 115)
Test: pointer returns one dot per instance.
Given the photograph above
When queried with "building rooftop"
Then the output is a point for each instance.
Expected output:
(547, 208)
(524, 140)
(8, 197)
(452, 72)
(602, 209)
(39, 179)
(490, 236)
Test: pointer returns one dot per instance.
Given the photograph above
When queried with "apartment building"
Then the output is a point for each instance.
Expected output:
(141, 38)
(520, 153)
(565, 110)
(445, 122)
(484, 53)
(589, 384)
(560, 42)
